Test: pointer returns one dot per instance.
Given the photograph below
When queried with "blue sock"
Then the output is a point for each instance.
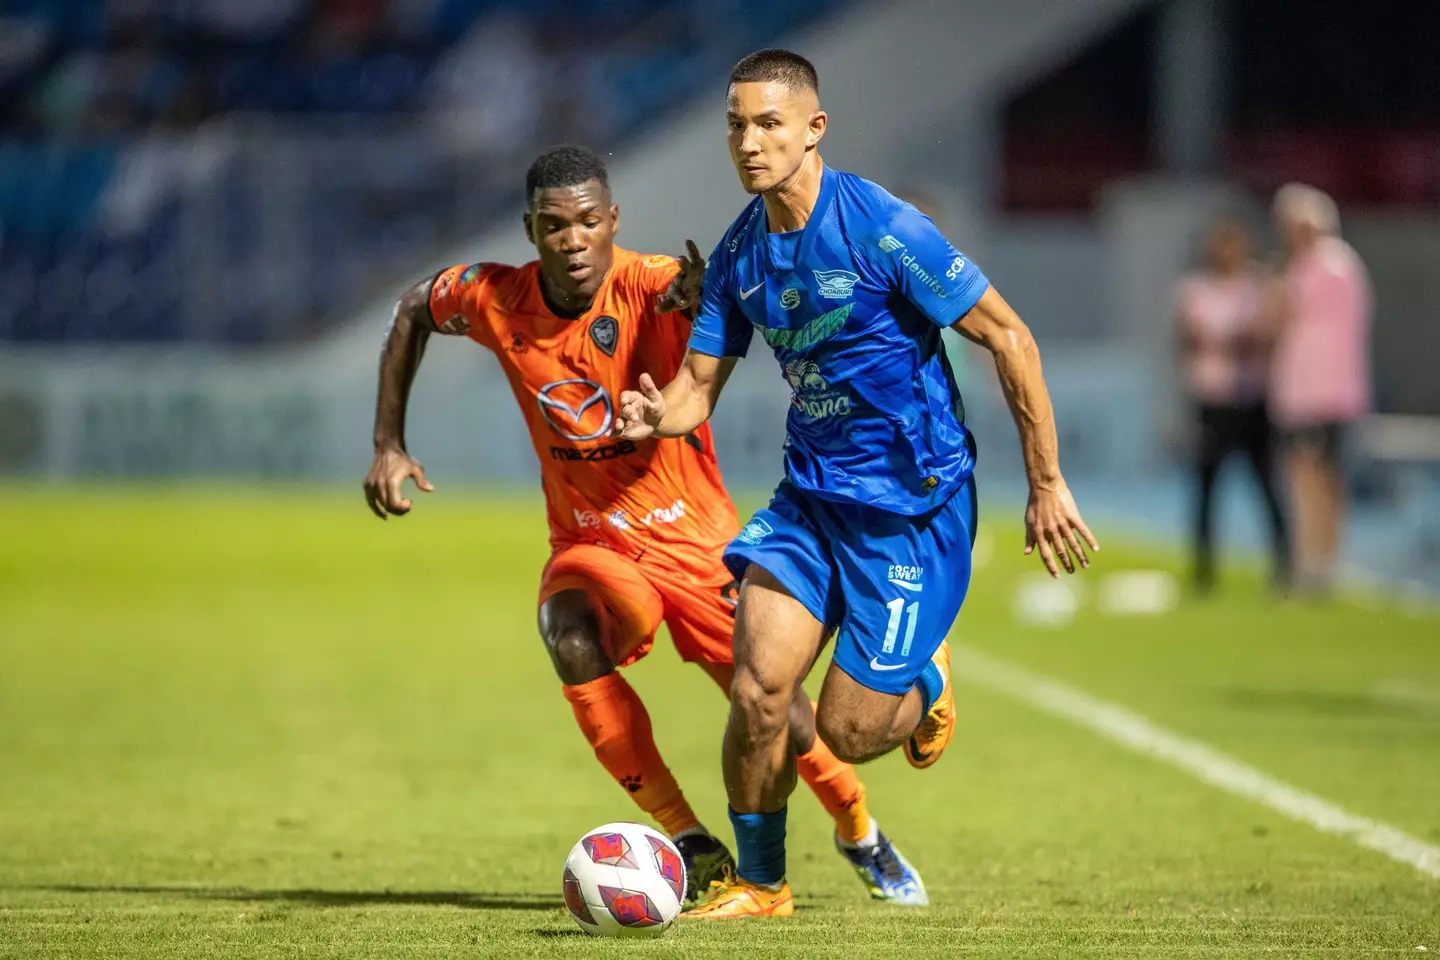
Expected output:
(931, 684)
(760, 844)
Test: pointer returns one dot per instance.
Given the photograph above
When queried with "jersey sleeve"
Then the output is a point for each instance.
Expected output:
(913, 255)
(720, 329)
(651, 276)
(465, 291)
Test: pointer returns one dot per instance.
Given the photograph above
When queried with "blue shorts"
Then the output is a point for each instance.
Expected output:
(891, 584)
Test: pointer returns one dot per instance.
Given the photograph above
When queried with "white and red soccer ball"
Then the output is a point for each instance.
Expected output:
(624, 880)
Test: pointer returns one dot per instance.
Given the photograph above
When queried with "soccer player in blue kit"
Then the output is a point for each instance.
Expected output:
(869, 534)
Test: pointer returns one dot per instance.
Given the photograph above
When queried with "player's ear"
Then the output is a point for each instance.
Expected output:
(529, 234)
(614, 219)
(819, 120)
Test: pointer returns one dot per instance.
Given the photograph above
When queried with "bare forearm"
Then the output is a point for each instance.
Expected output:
(994, 325)
(399, 361)
(684, 404)
(1021, 378)
(687, 406)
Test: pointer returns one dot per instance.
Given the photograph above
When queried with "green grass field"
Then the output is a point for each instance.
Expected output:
(267, 725)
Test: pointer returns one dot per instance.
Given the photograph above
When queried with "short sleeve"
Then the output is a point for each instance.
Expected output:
(925, 268)
(650, 276)
(720, 329)
(464, 291)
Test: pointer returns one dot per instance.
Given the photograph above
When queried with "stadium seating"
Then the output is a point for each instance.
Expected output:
(93, 95)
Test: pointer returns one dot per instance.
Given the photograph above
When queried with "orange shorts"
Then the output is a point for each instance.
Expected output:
(699, 609)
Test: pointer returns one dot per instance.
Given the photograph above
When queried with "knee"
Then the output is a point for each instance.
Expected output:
(762, 701)
(802, 723)
(848, 736)
(570, 630)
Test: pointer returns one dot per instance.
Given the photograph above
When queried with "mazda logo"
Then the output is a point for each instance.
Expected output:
(564, 418)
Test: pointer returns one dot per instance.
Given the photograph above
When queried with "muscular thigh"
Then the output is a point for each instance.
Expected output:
(776, 638)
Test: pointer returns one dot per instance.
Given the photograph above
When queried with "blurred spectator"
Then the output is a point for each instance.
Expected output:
(252, 20)
(1321, 375)
(1226, 343)
(107, 146)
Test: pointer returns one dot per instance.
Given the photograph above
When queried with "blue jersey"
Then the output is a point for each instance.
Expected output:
(853, 306)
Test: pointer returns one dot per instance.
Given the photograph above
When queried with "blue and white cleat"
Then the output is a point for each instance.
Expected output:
(885, 872)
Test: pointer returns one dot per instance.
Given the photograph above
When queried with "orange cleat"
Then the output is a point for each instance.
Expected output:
(933, 734)
(740, 898)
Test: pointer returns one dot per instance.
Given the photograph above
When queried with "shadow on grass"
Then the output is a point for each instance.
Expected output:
(1321, 703)
(334, 898)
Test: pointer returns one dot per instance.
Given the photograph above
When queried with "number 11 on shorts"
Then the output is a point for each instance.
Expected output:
(911, 613)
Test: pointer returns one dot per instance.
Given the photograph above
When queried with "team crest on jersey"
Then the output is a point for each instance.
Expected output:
(518, 343)
(754, 531)
(471, 272)
(836, 284)
(605, 331)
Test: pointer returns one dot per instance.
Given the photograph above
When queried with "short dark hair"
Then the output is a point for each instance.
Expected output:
(565, 166)
(773, 65)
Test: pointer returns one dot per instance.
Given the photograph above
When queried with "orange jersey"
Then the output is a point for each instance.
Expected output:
(663, 500)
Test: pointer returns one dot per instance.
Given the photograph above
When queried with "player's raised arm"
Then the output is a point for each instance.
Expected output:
(1052, 521)
(719, 335)
(684, 404)
(399, 361)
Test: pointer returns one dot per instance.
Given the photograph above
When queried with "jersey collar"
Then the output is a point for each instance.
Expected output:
(562, 322)
(809, 234)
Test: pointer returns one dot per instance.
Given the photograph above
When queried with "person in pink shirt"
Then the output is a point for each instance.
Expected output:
(1320, 372)
(1226, 340)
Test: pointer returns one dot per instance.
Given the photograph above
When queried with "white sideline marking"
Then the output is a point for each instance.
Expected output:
(1134, 731)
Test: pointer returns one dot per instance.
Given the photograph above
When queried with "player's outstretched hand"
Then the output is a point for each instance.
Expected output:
(1052, 522)
(640, 411)
(385, 482)
(684, 292)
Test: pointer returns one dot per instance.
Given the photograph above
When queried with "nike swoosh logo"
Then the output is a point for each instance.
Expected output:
(876, 665)
(745, 294)
(907, 585)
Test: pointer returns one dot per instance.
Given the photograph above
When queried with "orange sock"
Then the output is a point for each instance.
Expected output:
(839, 790)
(615, 722)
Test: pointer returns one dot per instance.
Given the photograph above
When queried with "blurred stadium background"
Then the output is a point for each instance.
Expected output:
(207, 208)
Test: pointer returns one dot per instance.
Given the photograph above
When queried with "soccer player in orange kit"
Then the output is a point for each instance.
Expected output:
(637, 528)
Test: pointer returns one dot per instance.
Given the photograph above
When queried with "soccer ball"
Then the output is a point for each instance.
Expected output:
(624, 880)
